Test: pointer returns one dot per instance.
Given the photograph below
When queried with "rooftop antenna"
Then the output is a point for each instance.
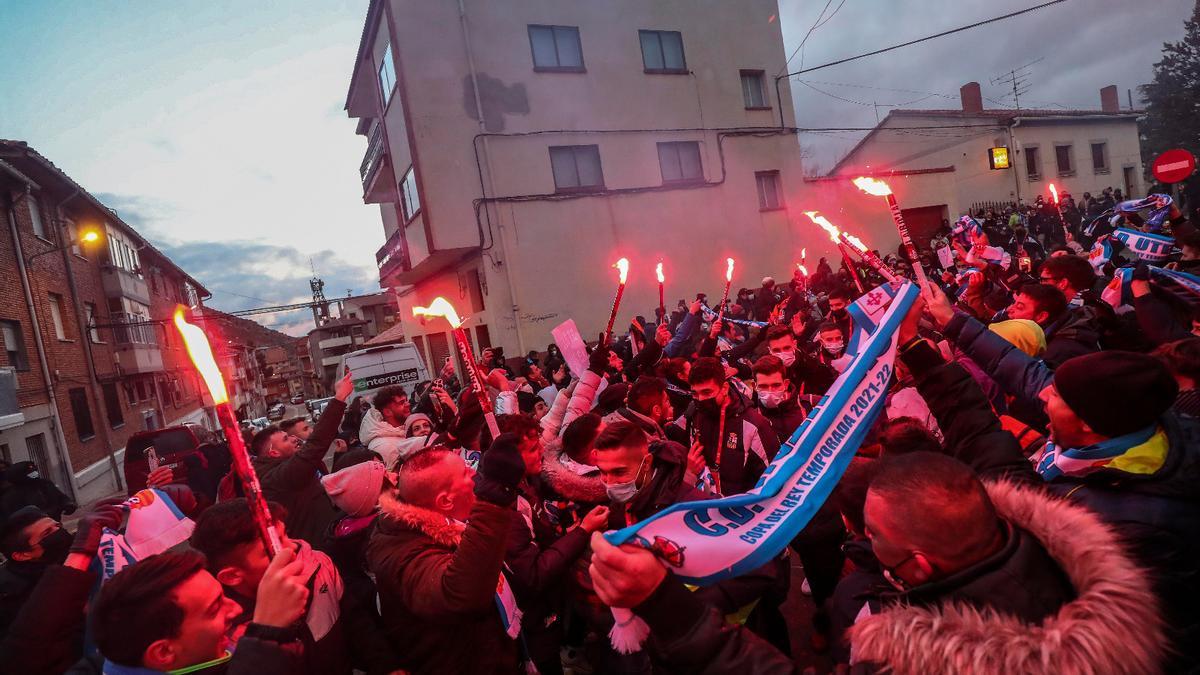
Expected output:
(1018, 80)
(320, 306)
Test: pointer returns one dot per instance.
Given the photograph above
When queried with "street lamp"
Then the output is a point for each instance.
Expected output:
(88, 234)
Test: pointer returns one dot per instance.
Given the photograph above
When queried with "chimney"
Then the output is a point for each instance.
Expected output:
(972, 98)
(1110, 100)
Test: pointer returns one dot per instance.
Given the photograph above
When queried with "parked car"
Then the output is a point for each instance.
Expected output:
(317, 406)
(276, 412)
(297, 399)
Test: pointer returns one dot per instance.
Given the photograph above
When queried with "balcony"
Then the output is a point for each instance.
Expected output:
(378, 178)
(135, 359)
(334, 342)
(119, 283)
(136, 344)
(391, 258)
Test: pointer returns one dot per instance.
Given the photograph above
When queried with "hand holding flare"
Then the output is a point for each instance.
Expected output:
(202, 358)
(622, 266)
(878, 188)
(662, 304)
(728, 281)
(442, 307)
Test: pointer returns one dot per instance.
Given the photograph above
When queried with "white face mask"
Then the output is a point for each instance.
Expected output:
(833, 346)
(788, 357)
(772, 399)
(621, 493)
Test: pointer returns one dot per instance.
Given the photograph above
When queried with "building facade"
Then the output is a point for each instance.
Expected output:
(86, 329)
(516, 150)
(937, 162)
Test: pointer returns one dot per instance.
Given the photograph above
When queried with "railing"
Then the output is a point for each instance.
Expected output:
(391, 256)
(374, 155)
(131, 329)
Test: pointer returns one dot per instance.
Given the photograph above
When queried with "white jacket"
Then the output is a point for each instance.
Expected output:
(389, 441)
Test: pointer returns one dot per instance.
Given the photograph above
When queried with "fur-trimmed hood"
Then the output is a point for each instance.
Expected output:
(399, 515)
(565, 482)
(1112, 626)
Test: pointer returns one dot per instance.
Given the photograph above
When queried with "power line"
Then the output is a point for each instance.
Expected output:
(926, 38)
(805, 38)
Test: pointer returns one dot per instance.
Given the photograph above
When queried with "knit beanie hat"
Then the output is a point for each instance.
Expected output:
(413, 419)
(1116, 392)
(1024, 334)
(355, 489)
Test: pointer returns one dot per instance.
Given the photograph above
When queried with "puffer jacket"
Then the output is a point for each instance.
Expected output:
(1112, 625)
(437, 587)
(565, 494)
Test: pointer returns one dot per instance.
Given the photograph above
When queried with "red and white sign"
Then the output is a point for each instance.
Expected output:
(1173, 165)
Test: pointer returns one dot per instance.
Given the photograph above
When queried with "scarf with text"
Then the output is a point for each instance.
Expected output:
(709, 541)
(1140, 452)
(1153, 248)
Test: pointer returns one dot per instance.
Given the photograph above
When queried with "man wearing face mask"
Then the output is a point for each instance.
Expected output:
(808, 376)
(776, 396)
(832, 343)
(839, 301)
(643, 478)
(737, 442)
(33, 542)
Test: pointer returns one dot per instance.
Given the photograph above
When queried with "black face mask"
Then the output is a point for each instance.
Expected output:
(55, 547)
(839, 313)
(708, 406)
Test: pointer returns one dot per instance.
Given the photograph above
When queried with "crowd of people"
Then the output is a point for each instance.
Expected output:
(1027, 503)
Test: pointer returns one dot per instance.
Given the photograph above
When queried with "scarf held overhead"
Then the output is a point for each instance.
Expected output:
(709, 541)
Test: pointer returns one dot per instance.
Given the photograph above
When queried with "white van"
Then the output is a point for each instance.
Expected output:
(374, 368)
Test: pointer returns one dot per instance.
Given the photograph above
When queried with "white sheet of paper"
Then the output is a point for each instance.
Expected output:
(571, 345)
(946, 257)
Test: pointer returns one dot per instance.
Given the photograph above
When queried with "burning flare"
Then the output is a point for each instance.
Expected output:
(855, 241)
(658, 271)
(1054, 193)
(622, 266)
(825, 225)
(201, 354)
(728, 269)
(802, 268)
(440, 307)
(872, 186)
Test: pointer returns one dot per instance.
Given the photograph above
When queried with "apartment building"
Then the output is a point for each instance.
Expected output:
(516, 150)
(329, 342)
(90, 353)
(944, 163)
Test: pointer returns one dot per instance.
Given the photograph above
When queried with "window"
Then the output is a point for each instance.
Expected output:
(14, 345)
(35, 217)
(89, 312)
(662, 51)
(1062, 155)
(556, 48)
(35, 447)
(112, 405)
(1033, 163)
(387, 75)
(56, 314)
(410, 201)
(680, 162)
(576, 168)
(753, 91)
(1100, 157)
(82, 413)
(770, 190)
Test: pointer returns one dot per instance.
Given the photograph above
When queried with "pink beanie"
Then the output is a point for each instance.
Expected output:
(355, 489)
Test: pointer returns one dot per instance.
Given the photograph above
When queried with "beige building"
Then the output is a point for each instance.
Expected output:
(517, 149)
(937, 162)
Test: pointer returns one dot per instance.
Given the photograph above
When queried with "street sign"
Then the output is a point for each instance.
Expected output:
(998, 158)
(1173, 166)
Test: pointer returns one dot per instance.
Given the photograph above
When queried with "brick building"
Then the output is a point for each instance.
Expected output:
(85, 326)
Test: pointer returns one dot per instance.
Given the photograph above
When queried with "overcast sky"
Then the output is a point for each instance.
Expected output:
(217, 127)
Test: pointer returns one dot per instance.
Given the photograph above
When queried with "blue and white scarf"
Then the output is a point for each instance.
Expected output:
(1182, 286)
(709, 541)
(710, 314)
(1054, 462)
(1152, 248)
(965, 230)
(1159, 205)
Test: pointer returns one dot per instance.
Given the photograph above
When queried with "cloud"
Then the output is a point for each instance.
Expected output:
(1084, 46)
(245, 274)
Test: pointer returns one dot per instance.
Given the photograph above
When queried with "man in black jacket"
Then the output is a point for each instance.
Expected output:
(737, 441)
(290, 473)
(31, 542)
